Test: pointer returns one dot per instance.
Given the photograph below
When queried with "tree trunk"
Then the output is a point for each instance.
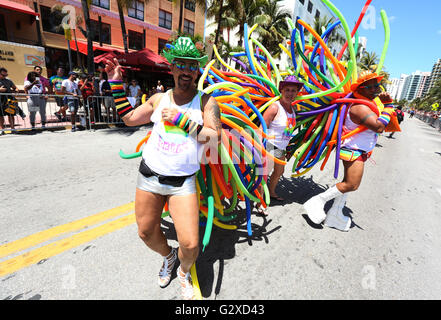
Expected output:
(219, 20)
(123, 26)
(89, 35)
(181, 15)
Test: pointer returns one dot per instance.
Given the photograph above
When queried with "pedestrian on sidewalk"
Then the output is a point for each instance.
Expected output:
(88, 90)
(400, 118)
(70, 88)
(36, 101)
(185, 122)
(6, 86)
(106, 92)
(56, 82)
(355, 151)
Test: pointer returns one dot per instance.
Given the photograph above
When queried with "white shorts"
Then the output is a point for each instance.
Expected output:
(152, 185)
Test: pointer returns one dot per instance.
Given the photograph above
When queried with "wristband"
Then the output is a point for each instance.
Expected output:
(122, 104)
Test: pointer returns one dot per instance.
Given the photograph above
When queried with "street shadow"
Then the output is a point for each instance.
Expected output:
(221, 247)
(122, 129)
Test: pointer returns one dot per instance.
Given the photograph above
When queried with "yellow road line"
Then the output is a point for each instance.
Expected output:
(47, 251)
(43, 236)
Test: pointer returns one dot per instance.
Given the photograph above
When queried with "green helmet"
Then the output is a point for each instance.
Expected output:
(184, 48)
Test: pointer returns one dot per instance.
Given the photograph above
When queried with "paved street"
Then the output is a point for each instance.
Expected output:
(68, 232)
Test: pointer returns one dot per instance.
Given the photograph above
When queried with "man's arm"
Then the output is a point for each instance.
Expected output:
(143, 113)
(211, 132)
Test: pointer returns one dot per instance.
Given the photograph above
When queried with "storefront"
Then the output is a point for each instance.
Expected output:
(19, 59)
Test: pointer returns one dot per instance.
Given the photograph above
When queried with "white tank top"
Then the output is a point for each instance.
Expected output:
(365, 140)
(282, 127)
(170, 151)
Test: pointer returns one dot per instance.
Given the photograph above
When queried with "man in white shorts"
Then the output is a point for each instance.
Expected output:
(185, 121)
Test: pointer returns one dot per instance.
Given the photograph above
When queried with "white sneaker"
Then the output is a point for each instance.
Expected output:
(335, 218)
(315, 206)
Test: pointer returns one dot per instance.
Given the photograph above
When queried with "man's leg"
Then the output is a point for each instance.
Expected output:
(275, 177)
(185, 214)
(351, 181)
(148, 209)
(184, 211)
(352, 178)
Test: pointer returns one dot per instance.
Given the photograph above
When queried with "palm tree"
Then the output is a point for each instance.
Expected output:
(369, 61)
(275, 29)
(88, 34)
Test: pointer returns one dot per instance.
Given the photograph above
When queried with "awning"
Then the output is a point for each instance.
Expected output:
(82, 47)
(17, 7)
(144, 57)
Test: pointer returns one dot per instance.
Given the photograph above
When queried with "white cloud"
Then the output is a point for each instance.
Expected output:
(392, 18)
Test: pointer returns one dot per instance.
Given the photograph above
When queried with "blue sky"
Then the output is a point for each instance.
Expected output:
(415, 32)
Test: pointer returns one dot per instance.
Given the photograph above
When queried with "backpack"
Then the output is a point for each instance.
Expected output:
(400, 115)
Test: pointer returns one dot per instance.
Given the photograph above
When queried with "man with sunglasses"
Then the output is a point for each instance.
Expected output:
(355, 151)
(185, 122)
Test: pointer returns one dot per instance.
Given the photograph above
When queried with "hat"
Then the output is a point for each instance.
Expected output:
(364, 77)
(290, 80)
(72, 73)
(184, 48)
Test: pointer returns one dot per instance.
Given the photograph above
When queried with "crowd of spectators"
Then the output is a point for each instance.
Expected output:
(70, 91)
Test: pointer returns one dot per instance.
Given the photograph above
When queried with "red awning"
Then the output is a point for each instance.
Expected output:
(17, 7)
(144, 57)
(104, 56)
(82, 47)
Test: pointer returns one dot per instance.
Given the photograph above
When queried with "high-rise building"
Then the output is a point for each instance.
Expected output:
(393, 87)
(414, 85)
(423, 87)
(436, 74)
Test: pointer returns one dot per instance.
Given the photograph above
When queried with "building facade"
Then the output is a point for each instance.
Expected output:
(414, 85)
(148, 25)
(436, 74)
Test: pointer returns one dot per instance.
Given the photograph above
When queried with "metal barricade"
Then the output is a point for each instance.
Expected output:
(23, 112)
(434, 122)
(101, 111)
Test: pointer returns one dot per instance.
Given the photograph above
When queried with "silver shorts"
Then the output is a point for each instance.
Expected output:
(152, 185)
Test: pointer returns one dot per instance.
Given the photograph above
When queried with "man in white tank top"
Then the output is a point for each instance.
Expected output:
(280, 119)
(353, 156)
(155, 189)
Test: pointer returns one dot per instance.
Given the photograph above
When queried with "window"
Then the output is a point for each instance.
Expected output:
(3, 33)
(317, 14)
(310, 5)
(136, 10)
(188, 27)
(136, 40)
(165, 19)
(161, 45)
(105, 32)
(190, 5)
(101, 3)
(52, 20)
(302, 1)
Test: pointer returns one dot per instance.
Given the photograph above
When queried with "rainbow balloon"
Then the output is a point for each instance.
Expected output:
(245, 93)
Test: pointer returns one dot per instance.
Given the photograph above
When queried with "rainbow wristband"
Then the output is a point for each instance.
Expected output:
(122, 104)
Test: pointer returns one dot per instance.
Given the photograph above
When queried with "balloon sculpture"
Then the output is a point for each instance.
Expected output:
(244, 95)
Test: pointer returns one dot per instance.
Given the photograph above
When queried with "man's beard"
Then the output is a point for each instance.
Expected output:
(184, 84)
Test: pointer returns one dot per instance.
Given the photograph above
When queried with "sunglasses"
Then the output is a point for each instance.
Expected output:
(376, 86)
(183, 66)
